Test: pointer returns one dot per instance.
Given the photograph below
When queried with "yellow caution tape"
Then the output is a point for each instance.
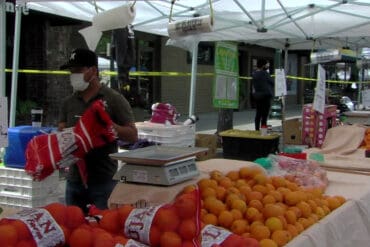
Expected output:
(153, 73)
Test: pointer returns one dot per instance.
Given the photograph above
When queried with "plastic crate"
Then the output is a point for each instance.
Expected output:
(19, 137)
(248, 144)
(17, 189)
(12, 201)
(167, 135)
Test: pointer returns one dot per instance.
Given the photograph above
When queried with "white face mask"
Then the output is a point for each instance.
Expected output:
(77, 82)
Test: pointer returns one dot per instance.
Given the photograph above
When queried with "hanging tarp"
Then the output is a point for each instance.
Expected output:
(332, 55)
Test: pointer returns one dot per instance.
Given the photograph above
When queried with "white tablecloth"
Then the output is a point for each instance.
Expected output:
(348, 225)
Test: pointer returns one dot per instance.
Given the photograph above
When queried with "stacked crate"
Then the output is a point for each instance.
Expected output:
(315, 124)
(167, 135)
(18, 190)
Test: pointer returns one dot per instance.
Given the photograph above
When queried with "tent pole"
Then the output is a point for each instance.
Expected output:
(194, 64)
(2, 48)
(14, 89)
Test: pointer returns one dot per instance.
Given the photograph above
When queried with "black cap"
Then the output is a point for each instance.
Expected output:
(81, 58)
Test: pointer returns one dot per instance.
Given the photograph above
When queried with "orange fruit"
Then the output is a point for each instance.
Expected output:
(237, 215)
(260, 188)
(123, 212)
(206, 183)
(111, 221)
(260, 178)
(8, 235)
(304, 222)
(254, 195)
(186, 205)
(22, 229)
(187, 229)
(58, 211)
(333, 203)
(220, 193)
(256, 204)
(26, 243)
(268, 243)
(260, 232)
(312, 204)
(281, 237)
(216, 175)
(249, 172)
(268, 199)
(214, 206)
(299, 227)
(166, 219)
(319, 211)
(74, 217)
(208, 192)
(244, 189)
(239, 226)
(230, 198)
(81, 237)
(296, 210)
(305, 209)
(341, 199)
(225, 219)
(292, 229)
(170, 239)
(189, 188)
(274, 223)
(271, 210)
(103, 239)
(154, 235)
(233, 175)
(239, 204)
(252, 214)
(240, 182)
(278, 181)
(277, 195)
(290, 216)
(225, 182)
(210, 219)
(292, 198)
(120, 240)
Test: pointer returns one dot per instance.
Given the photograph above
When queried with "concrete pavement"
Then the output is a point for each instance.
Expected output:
(243, 120)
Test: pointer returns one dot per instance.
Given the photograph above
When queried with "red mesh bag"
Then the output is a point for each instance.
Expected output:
(175, 223)
(49, 152)
(48, 226)
(214, 236)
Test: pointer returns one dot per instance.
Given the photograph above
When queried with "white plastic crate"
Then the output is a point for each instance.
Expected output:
(27, 202)
(168, 135)
(17, 189)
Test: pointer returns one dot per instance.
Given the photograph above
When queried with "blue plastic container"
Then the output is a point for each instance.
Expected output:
(18, 138)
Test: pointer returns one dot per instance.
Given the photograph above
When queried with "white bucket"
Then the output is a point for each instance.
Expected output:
(36, 116)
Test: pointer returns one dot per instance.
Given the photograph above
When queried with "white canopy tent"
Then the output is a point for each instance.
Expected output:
(280, 24)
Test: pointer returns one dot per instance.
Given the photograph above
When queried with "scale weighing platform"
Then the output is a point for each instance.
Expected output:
(159, 165)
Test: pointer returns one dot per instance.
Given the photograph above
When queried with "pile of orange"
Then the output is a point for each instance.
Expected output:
(272, 210)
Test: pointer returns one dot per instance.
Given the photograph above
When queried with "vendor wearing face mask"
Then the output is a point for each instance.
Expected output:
(84, 78)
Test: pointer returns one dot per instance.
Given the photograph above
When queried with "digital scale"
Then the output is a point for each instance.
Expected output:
(158, 165)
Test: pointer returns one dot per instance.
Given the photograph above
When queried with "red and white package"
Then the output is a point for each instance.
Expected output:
(49, 152)
(177, 222)
(214, 236)
(47, 227)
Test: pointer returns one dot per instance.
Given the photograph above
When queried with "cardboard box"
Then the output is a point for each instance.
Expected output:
(292, 131)
(315, 124)
(206, 141)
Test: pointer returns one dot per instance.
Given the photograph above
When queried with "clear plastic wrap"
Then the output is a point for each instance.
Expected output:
(306, 173)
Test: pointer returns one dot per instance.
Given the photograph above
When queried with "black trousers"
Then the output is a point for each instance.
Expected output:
(263, 106)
